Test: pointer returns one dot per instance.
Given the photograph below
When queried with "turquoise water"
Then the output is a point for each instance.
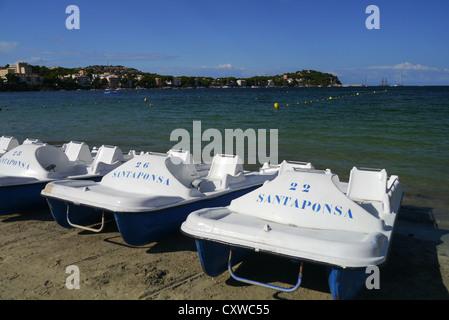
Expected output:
(403, 129)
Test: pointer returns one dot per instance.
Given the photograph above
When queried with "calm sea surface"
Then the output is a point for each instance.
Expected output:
(403, 129)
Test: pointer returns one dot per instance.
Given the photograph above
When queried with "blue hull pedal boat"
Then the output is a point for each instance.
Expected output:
(27, 168)
(304, 215)
(152, 194)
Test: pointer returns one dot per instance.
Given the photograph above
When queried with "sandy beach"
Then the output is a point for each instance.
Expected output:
(35, 252)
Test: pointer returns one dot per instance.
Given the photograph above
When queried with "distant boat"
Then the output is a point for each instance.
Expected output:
(400, 81)
(384, 83)
(112, 91)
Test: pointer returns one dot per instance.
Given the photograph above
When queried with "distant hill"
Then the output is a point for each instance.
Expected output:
(102, 77)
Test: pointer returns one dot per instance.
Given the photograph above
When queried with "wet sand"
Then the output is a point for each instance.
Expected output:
(35, 251)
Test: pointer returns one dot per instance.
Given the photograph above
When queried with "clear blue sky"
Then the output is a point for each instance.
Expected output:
(240, 38)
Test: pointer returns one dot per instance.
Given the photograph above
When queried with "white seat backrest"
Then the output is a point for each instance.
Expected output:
(185, 156)
(108, 154)
(52, 159)
(291, 165)
(225, 164)
(78, 151)
(32, 141)
(181, 165)
(8, 143)
(367, 184)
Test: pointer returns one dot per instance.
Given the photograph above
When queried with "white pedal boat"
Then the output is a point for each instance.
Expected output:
(152, 194)
(306, 215)
(27, 168)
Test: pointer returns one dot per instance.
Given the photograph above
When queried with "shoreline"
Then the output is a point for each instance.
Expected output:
(35, 251)
(230, 87)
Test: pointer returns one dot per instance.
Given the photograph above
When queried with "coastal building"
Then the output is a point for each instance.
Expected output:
(9, 70)
(23, 68)
(114, 81)
(82, 80)
(126, 83)
(33, 79)
(18, 68)
(176, 82)
(23, 71)
(241, 83)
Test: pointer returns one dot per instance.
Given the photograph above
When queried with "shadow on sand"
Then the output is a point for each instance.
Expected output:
(411, 272)
(41, 214)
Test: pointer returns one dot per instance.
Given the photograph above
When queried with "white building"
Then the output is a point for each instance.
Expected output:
(24, 72)
(82, 80)
(23, 68)
(19, 68)
(114, 81)
(10, 70)
(241, 83)
(30, 78)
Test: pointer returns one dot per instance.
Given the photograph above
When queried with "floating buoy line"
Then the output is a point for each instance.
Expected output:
(277, 105)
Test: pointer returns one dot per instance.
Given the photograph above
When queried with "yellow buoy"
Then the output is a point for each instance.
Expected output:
(145, 99)
(276, 105)
(287, 105)
(330, 98)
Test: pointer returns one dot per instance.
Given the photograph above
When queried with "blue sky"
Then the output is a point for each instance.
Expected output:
(240, 38)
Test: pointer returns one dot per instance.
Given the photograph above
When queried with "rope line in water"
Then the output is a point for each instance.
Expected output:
(277, 105)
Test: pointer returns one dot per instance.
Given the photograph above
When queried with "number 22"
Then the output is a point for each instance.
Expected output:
(305, 187)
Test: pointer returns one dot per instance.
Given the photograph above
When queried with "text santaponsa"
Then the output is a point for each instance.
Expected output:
(305, 205)
(129, 174)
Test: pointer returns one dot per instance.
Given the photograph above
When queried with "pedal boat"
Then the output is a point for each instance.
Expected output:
(305, 215)
(152, 194)
(27, 168)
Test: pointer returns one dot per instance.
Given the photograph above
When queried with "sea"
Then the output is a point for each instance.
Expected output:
(402, 129)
